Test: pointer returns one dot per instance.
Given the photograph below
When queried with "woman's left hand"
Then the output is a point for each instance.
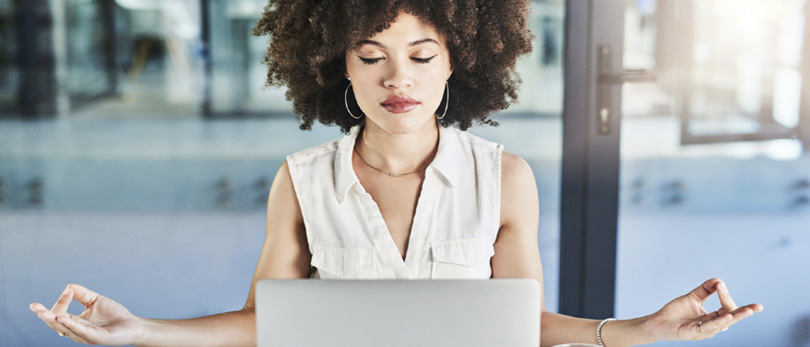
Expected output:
(685, 318)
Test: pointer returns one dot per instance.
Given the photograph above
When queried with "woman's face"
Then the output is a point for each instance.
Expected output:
(398, 75)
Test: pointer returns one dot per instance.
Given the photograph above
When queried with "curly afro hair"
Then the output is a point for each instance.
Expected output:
(309, 39)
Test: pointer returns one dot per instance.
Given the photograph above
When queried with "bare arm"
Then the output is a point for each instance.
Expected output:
(285, 255)
(517, 256)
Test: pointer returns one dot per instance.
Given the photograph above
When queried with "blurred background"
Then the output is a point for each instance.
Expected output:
(138, 144)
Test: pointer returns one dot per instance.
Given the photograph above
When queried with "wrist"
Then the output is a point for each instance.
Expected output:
(647, 335)
(147, 331)
(599, 330)
(628, 332)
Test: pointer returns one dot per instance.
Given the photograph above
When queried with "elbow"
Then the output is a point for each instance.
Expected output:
(249, 310)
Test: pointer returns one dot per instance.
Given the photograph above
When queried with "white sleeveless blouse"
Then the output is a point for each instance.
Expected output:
(453, 231)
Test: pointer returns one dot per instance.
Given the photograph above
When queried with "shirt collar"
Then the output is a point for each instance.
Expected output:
(345, 177)
(446, 162)
(448, 156)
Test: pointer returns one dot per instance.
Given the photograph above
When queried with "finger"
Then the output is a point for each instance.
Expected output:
(712, 326)
(71, 333)
(756, 307)
(83, 295)
(725, 297)
(742, 313)
(705, 290)
(728, 319)
(63, 302)
(37, 307)
(721, 311)
(78, 331)
(709, 316)
(49, 318)
(97, 331)
(43, 313)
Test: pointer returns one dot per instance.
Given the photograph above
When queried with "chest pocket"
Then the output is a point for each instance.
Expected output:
(345, 263)
(462, 259)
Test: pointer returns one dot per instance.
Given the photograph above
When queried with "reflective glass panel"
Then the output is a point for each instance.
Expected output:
(9, 77)
(238, 74)
(140, 192)
(713, 181)
(89, 74)
(148, 54)
(532, 129)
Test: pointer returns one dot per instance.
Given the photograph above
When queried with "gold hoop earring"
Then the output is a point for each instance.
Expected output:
(447, 103)
(346, 102)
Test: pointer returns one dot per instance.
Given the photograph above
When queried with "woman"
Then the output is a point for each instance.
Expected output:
(402, 195)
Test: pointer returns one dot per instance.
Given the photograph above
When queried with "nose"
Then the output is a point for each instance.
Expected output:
(399, 76)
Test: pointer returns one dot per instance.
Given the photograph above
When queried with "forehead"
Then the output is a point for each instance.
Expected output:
(406, 29)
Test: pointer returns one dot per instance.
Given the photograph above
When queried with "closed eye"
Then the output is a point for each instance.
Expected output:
(424, 60)
(370, 61)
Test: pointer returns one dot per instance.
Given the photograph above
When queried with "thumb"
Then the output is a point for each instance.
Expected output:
(705, 290)
(62, 304)
(83, 295)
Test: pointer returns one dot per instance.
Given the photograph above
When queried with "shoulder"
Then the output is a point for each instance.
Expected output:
(282, 187)
(514, 168)
(282, 199)
(283, 174)
(475, 142)
(314, 163)
(519, 198)
(313, 153)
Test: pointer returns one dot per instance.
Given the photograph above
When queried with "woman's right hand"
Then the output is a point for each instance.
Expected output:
(103, 321)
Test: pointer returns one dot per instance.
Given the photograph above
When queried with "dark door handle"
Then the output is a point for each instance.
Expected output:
(609, 79)
(629, 76)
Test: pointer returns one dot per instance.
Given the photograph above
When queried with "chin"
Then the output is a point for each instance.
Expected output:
(401, 124)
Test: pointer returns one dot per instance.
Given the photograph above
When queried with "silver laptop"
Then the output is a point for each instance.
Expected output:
(365, 313)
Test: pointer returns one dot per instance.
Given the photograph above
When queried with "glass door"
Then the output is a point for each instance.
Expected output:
(90, 72)
(532, 129)
(715, 175)
(9, 74)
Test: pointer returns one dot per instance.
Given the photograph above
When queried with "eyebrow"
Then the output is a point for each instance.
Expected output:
(412, 44)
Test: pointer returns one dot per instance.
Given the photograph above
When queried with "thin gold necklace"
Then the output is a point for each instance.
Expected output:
(387, 173)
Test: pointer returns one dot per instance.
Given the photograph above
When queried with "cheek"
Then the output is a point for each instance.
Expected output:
(432, 96)
(363, 93)
(438, 77)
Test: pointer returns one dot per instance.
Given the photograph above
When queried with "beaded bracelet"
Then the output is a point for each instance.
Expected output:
(599, 330)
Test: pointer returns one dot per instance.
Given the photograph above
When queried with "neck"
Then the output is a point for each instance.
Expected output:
(398, 153)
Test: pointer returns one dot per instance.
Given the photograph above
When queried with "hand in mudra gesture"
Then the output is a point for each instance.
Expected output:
(685, 318)
(103, 321)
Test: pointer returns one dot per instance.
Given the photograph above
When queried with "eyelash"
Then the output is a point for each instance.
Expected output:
(372, 61)
(423, 60)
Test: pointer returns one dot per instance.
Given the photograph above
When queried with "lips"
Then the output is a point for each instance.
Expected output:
(399, 104)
